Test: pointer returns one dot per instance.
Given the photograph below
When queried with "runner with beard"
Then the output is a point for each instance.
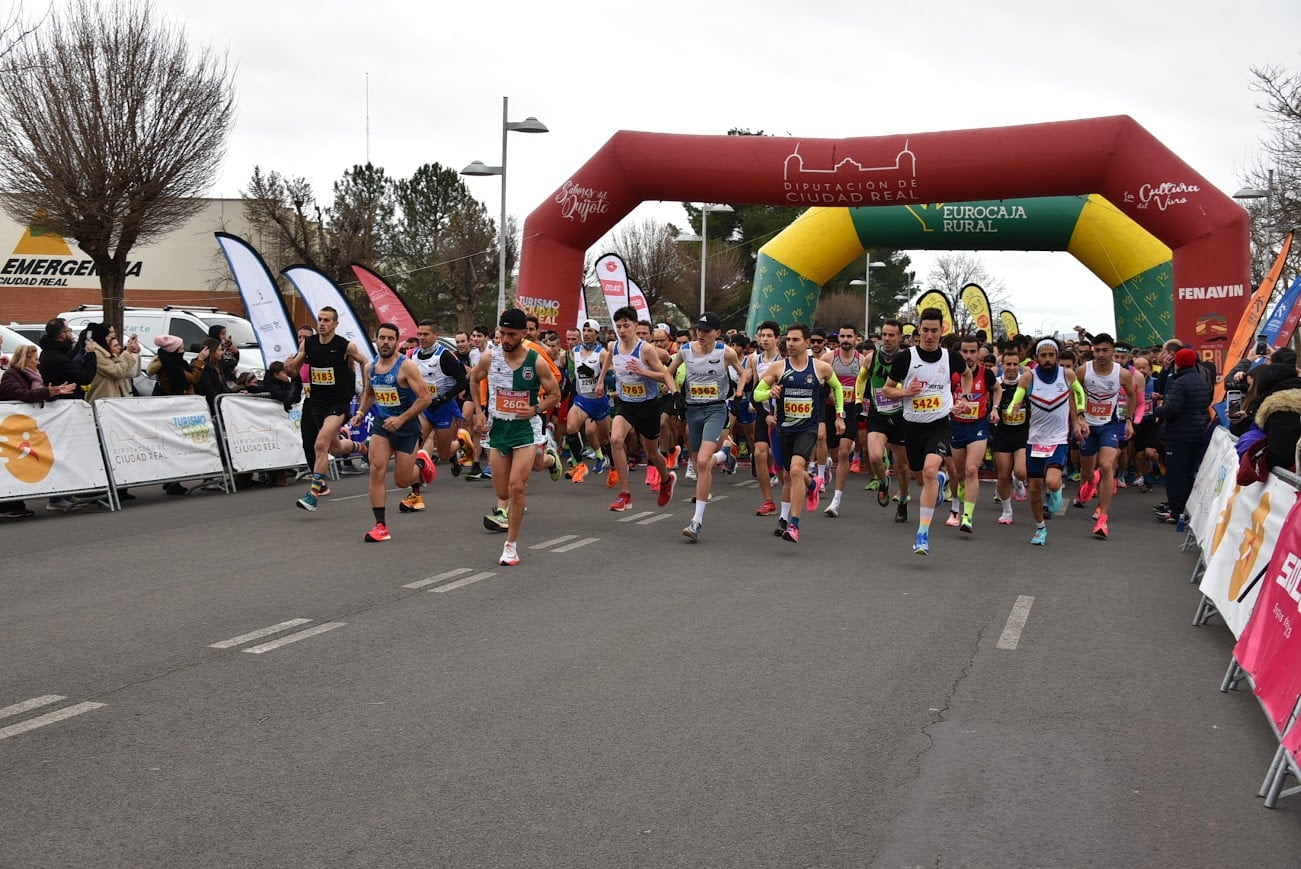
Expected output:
(522, 389)
(590, 413)
(397, 390)
(846, 363)
(1008, 438)
(1055, 396)
(970, 433)
(884, 420)
(761, 450)
(1103, 380)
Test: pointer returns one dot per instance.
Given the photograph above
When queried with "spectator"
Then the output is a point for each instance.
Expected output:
(115, 365)
(61, 361)
(1184, 414)
(1279, 415)
(282, 387)
(175, 375)
(211, 383)
(226, 353)
(22, 381)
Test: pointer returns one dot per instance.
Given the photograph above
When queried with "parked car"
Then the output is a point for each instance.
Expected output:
(11, 340)
(31, 331)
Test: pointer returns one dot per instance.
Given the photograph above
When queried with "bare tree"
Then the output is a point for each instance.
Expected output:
(14, 29)
(1277, 171)
(654, 259)
(952, 272)
(111, 126)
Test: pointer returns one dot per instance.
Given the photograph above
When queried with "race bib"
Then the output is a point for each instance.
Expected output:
(387, 396)
(703, 392)
(513, 404)
(1042, 451)
(1016, 417)
(632, 390)
(586, 385)
(323, 376)
(927, 403)
(970, 414)
(433, 389)
(886, 405)
(1098, 408)
(797, 408)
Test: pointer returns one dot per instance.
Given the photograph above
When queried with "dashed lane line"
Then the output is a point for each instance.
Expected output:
(659, 518)
(635, 516)
(421, 583)
(29, 705)
(569, 547)
(258, 634)
(1011, 635)
(461, 583)
(554, 542)
(47, 718)
(293, 638)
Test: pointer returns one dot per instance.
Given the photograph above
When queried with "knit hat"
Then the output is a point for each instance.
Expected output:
(99, 332)
(170, 343)
(1185, 358)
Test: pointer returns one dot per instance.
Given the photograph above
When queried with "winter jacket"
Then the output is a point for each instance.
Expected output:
(19, 384)
(287, 392)
(58, 365)
(112, 375)
(1185, 411)
(192, 377)
(1280, 418)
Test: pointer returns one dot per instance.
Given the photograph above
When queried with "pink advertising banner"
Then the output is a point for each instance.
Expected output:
(388, 306)
(1270, 646)
(613, 275)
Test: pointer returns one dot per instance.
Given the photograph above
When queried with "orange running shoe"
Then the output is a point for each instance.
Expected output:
(579, 472)
(612, 479)
(672, 458)
(412, 503)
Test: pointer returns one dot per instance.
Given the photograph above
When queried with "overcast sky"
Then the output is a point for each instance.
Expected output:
(813, 68)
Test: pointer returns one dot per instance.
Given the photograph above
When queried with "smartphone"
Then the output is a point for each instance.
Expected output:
(1234, 407)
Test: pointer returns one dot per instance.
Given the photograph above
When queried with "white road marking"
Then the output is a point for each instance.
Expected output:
(544, 544)
(47, 718)
(1015, 622)
(461, 583)
(746, 484)
(635, 516)
(576, 544)
(421, 583)
(259, 634)
(655, 519)
(293, 638)
(362, 495)
(28, 705)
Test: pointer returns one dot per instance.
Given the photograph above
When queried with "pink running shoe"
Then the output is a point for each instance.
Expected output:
(815, 493)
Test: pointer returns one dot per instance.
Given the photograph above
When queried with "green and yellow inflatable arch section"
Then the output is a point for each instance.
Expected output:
(792, 268)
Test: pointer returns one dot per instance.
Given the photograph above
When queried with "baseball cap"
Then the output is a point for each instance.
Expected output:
(709, 320)
(590, 324)
(513, 318)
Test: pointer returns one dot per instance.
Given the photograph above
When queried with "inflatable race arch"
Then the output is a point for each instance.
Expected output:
(1114, 157)
(792, 267)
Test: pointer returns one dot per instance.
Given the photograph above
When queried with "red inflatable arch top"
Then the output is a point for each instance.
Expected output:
(1112, 156)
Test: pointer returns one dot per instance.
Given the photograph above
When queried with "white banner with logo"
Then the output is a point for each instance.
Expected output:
(1213, 485)
(318, 291)
(613, 275)
(49, 449)
(272, 327)
(260, 434)
(1240, 543)
(148, 440)
(638, 300)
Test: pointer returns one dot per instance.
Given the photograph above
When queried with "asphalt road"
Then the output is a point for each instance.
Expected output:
(631, 701)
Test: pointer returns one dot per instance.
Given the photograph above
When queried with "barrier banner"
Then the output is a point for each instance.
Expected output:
(1270, 646)
(1240, 545)
(260, 434)
(49, 449)
(1214, 483)
(149, 440)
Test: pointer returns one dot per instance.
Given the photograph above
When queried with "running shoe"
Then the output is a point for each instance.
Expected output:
(1053, 501)
(832, 510)
(1005, 519)
(509, 556)
(612, 478)
(792, 533)
(652, 476)
(601, 465)
(691, 470)
(781, 528)
(901, 513)
(557, 468)
(883, 493)
(873, 485)
(953, 521)
(692, 531)
(815, 494)
(672, 459)
(1163, 507)
(942, 480)
(621, 503)
(579, 473)
(666, 488)
(1120, 484)
(455, 462)
(474, 475)
(1145, 488)
(378, 534)
(412, 503)
(307, 502)
(922, 545)
(1100, 529)
(965, 527)
(1018, 490)
(1040, 537)
(855, 465)
(767, 508)
(428, 470)
(465, 443)
(496, 519)
(1074, 476)
(487, 473)
(729, 459)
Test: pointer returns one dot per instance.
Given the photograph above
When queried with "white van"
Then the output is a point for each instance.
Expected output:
(148, 323)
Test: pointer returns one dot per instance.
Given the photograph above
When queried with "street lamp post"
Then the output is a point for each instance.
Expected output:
(866, 284)
(477, 168)
(705, 209)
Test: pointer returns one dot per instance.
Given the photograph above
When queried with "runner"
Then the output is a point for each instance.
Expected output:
(638, 375)
(709, 364)
(846, 363)
(398, 391)
(1054, 395)
(329, 358)
(521, 390)
(590, 412)
(440, 423)
(1103, 381)
(796, 385)
(761, 458)
(970, 433)
(884, 420)
(1009, 436)
(922, 377)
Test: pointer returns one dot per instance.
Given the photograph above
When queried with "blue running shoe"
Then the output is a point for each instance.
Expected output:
(602, 464)
(943, 482)
(1054, 501)
(923, 544)
(307, 502)
(1040, 537)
